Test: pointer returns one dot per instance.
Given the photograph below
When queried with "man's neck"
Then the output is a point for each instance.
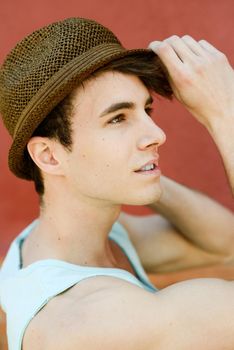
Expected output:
(77, 231)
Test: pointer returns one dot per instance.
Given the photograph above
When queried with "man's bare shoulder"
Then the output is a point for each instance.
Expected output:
(108, 313)
(99, 310)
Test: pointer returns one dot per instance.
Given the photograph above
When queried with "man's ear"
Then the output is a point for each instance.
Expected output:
(43, 152)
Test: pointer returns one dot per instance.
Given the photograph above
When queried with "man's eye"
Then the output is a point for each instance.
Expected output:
(149, 111)
(116, 120)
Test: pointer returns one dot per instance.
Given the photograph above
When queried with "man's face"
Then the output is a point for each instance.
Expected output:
(113, 137)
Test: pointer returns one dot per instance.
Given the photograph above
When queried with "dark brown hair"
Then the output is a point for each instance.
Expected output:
(58, 124)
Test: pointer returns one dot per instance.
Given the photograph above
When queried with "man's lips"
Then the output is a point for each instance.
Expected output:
(151, 162)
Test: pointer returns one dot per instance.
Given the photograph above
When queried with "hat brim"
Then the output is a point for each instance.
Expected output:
(53, 92)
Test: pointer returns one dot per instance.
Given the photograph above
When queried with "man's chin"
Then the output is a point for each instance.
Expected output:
(147, 199)
(155, 196)
(155, 199)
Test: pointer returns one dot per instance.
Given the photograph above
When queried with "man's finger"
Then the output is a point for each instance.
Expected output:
(168, 56)
(208, 47)
(182, 50)
(194, 46)
(154, 45)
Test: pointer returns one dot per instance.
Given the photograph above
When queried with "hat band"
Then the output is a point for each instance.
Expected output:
(65, 73)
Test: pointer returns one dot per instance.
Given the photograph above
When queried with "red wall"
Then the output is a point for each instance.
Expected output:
(189, 155)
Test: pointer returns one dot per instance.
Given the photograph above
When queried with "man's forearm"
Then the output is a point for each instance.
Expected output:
(200, 219)
(223, 135)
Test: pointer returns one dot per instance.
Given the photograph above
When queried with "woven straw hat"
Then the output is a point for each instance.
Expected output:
(45, 67)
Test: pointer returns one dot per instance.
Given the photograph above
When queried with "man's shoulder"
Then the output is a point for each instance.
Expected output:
(104, 309)
(109, 313)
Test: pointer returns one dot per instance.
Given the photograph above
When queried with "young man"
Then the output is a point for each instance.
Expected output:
(78, 107)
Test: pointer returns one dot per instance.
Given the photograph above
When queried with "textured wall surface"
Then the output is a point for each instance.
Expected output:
(189, 154)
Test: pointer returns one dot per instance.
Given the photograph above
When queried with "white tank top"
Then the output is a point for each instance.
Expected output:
(24, 291)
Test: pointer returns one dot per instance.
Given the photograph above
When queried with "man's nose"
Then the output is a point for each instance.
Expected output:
(151, 135)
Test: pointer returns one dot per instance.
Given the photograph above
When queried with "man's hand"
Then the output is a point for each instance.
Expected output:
(200, 75)
(203, 81)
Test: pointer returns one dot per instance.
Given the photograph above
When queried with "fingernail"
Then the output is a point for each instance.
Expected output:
(154, 45)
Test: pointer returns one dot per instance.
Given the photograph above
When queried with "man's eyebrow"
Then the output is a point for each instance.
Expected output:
(121, 105)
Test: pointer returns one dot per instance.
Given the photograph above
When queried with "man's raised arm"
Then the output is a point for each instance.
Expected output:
(203, 81)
